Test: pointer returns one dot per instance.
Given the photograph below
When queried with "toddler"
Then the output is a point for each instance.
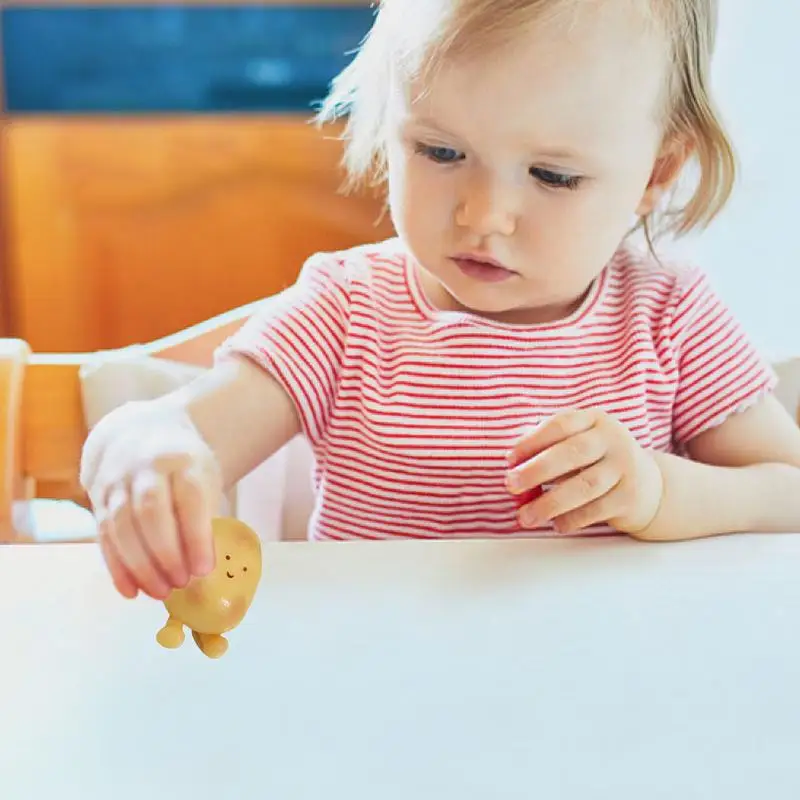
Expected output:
(510, 364)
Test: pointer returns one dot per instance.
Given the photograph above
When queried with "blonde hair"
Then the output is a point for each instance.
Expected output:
(410, 37)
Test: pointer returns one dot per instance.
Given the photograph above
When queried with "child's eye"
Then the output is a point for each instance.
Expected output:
(441, 155)
(556, 180)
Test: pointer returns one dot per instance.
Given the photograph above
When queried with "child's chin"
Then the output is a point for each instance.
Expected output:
(480, 301)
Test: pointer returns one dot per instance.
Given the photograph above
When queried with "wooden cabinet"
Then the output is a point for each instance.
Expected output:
(123, 231)
(122, 228)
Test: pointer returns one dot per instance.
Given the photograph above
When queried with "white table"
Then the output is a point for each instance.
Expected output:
(416, 671)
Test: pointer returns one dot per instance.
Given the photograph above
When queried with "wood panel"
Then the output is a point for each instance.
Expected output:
(126, 230)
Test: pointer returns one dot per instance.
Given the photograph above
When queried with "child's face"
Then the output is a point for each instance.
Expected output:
(473, 160)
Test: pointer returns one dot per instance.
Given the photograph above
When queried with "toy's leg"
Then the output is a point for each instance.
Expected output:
(212, 644)
(171, 635)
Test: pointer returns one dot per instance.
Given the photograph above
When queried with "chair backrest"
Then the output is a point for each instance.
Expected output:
(42, 422)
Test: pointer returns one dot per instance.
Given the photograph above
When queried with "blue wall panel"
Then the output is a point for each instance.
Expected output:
(175, 59)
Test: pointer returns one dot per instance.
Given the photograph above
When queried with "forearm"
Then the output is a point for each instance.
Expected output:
(700, 500)
(242, 413)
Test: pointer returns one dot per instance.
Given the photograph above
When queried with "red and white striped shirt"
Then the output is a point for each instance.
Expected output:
(410, 410)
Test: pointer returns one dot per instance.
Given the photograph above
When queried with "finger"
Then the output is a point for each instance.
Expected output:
(599, 511)
(98, 493)
(550, 432)
(574, 493)
(155, 519)
(193, 512)
(93, 454)
(123, 580)
(130, 546)
(565, 457)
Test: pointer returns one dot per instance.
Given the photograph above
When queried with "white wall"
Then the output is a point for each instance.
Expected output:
(752, 251)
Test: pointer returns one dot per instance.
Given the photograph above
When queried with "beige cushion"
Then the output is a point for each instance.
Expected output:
(108, 382)
(118, 377)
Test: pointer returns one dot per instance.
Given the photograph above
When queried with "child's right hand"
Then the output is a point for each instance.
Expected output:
(154, 485)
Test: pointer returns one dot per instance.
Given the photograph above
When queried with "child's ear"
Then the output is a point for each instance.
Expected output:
(669, 164)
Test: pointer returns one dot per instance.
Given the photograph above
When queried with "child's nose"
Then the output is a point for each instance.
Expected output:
(487, 209)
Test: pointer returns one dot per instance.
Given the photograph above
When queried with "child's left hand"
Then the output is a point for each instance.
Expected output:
(598, 471)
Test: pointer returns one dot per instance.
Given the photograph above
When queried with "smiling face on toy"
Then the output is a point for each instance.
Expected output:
(218, 602)
(238, 560)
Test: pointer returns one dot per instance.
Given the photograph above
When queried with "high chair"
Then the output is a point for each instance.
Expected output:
(44, 402)
(43, 425)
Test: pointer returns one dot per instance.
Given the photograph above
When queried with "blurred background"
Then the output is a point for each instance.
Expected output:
(157, 165)
(752, 251)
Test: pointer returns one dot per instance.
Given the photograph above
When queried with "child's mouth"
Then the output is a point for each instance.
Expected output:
(481, 269)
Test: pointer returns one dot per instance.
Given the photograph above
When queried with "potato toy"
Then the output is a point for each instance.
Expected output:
(216, 603)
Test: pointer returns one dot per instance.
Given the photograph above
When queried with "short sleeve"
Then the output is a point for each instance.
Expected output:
(298, 337)
(720, 372)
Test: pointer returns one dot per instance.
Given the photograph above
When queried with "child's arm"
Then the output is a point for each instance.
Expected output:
(242, 413)
(155, 471)
(743, 475)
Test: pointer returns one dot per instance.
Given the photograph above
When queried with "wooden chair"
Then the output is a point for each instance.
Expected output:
(42, 421)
